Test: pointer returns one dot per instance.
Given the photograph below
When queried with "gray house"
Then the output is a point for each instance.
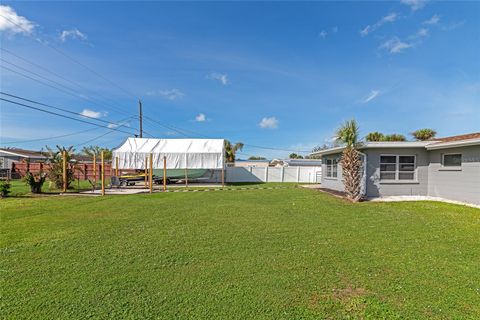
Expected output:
(447, 168)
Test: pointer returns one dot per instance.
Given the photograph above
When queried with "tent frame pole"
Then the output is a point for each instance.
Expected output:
(164, 173)
(146, 171)
(150, 180)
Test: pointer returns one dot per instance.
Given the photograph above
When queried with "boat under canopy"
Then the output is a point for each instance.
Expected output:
(134, 153)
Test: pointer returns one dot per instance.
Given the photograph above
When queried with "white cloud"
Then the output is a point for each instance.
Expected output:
(389, 18)
(433, 20)
(372, 95)
(421, 33)
(221, 77)
(414, 4)
(269, 123)
(11, 22)
(118, 124)
(72, 34)
(200, 118)
(92, 114)
(395, 45)
(171, 94)
(322, 34)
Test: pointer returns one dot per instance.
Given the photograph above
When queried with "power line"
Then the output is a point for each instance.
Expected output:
(56, 137)
(91, 140)
(50, 138)
(52, 86)
(60, 109)
(72, 59)
(63, 116)
(58, 75)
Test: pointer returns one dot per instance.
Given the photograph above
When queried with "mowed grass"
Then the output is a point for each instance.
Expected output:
(263, 254)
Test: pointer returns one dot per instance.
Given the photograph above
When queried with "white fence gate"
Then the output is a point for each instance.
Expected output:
(274, 174)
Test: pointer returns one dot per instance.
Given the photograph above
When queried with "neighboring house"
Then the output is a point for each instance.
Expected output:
(296, 163)
(445, 167)
(11, 155)
(251, 163)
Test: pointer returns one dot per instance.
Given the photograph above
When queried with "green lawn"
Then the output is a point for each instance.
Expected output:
(265, 254)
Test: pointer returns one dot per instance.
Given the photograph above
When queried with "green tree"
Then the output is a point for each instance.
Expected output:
(395, 137)
(231, 150)
(351, 163)
(424, 134)
(257, 158)
(55, 158)
(375, 136)
(295, 156)
(97, 151)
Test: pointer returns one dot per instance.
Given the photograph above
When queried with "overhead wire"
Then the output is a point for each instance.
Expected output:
(125, 91)
(61, 109)
(59, 76)
(64, 116)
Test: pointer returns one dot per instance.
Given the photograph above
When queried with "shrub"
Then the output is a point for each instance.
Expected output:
(4, 189)
(35, 182)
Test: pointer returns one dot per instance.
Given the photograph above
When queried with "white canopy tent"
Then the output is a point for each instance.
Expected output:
(179, 153)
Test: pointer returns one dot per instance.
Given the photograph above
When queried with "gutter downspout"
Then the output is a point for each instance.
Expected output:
(363, 188)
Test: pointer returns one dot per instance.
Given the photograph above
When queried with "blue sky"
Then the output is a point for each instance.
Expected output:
(283, 75)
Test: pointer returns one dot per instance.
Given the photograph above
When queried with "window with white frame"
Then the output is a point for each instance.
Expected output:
(397, 167)
(332, 171)
(453, 160)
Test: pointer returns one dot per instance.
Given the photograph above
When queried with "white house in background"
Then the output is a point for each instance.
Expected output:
(447, 168)
(11, 155)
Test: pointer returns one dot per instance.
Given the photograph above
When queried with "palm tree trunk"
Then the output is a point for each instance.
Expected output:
(352, 176)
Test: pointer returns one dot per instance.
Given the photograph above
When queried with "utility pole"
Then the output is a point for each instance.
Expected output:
(140, 118)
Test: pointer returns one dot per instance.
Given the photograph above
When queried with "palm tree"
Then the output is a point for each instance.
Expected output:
(395, 137)
(350, 162)
(55, 158)
(375, 136)
(97, 151)
(230, 150)
(424, 134)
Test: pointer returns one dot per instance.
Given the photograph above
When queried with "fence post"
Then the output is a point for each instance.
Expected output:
(102, 174)
(266, 174)
(282, 174)
(298, 174)
(64, 156)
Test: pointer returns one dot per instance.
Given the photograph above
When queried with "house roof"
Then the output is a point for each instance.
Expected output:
(438, 143)
(23, 153)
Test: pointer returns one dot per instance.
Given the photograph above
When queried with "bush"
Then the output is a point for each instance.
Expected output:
(4, 189)
(35, 182)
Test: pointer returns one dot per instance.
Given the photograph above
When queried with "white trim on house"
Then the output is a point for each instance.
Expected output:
(453, 144)
(20, 154)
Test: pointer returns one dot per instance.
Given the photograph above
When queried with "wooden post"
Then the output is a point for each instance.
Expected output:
(164, 173)
(102, 174)
(64, 156)
(146, 171)
(150, 174)
(186, 171)
(223, 176)
(116, 166)
(94, 171)
(186, 178)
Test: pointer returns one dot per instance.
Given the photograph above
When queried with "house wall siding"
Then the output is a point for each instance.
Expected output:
(460, 185)
(377, 188)
(332, 183)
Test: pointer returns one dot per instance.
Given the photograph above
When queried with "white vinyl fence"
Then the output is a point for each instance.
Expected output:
(273, 174)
